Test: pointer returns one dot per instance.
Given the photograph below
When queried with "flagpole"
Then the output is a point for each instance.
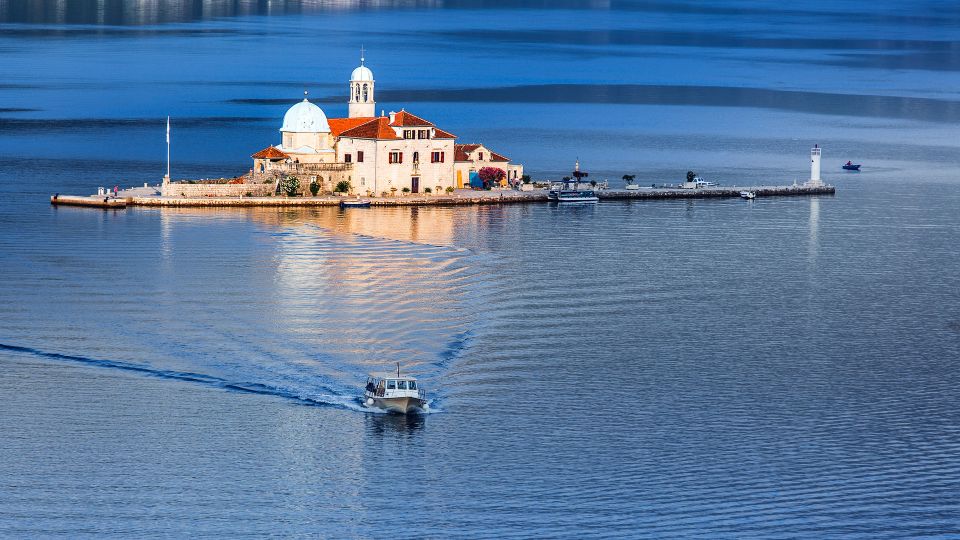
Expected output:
(168, 148)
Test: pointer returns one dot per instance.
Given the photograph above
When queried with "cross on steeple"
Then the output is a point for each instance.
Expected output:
(361, 55)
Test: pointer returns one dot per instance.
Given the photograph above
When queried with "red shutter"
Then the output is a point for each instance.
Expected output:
(400, 155)
(359, 157)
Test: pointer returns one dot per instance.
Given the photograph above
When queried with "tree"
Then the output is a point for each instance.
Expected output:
(691, 175)
(491, 175)
(628, 178)
(314, 188)
(525, 179)
(342, 187)
(289, 185)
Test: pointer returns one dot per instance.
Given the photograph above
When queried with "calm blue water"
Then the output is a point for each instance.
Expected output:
(720, 369)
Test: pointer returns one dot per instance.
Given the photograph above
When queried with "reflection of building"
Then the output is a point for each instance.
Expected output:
(470, 158)
(375, 154)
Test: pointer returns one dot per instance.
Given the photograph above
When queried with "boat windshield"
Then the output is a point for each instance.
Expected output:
(413, 385)
(391, 384)
(401, 385)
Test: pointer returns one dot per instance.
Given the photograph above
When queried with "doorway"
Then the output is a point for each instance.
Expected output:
(415, 184)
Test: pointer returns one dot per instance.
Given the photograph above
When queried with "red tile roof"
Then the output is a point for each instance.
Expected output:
(270, 152)
(339, 125)
(376, 128)
(498, 157)
(405, 119)
(441, 134)
(461, 151)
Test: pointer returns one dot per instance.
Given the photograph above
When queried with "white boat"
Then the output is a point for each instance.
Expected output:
(569, 190)
(579, 196)
(632, 187)
(395, 394)
(748, 195)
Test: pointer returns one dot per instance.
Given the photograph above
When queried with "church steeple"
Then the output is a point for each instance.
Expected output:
(361, 102)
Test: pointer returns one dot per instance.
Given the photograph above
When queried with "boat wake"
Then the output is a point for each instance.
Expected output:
(319, 400)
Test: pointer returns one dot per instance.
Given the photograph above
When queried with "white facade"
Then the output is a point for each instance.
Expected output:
(377, 155)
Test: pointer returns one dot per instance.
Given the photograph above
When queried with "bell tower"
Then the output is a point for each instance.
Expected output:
(361, 102)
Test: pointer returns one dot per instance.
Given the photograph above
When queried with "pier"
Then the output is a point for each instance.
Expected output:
(137, 197)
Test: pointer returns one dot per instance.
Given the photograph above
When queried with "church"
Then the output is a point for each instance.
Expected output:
(376, 155)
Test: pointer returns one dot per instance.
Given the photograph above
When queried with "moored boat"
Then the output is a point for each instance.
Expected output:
(356, 203)
(569, 191)
(748, 194)
(400, 394)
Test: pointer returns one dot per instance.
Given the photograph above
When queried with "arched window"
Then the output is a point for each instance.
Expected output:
(357, 93)
(365, 94)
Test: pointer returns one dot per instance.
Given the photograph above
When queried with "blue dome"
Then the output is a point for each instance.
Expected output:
(305, 117)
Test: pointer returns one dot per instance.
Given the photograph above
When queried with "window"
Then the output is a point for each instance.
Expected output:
(365, 94)
(401, 385)
(347, 158)
(359, 156)
(409, 134)
(413, 385)
(391, 384)
(416, 157)
(480, 156)
(437, 157)
(357, 93)
(423, 134)
(395, 157)
(363, 181)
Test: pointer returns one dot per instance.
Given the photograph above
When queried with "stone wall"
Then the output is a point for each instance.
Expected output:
(183, 189)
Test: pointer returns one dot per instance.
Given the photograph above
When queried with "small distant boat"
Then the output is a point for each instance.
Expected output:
(398, 394)
(748, 194)
(632, 187)
(355, 204)
(849, 166)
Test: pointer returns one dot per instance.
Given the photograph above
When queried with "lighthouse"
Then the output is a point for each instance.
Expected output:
(815, 166)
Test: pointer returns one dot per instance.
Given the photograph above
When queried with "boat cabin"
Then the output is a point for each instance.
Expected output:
(392, 387)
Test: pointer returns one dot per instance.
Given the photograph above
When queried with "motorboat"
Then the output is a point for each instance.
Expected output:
(399, 394)
(580, 196)
(632, 187)
(850, 166)
(354, 203)
(748, 194)
(569, 190)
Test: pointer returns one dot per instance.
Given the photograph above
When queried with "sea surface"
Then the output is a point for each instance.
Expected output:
(776, 368)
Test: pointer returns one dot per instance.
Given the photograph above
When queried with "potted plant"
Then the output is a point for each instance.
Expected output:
(405, 190)
(427, 190)
(449, 189)
(314, 188)
(343, 187)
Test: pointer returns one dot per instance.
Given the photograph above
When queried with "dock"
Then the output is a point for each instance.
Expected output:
(458, 198)
(92, 201)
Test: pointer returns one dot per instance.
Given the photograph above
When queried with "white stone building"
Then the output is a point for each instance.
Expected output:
(378, 155)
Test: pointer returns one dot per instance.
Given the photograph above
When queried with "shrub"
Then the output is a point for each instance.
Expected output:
(342, 187)
(314, 188)
(525, 179)
(427, 190)
(405, 190)
(450, 189)
(491, 175)
(290, 185)
(248, 194)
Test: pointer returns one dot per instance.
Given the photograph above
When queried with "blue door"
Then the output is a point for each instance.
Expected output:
(475, 181)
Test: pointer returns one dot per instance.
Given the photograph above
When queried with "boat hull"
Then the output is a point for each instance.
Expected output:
(851, 168)
(401, 405)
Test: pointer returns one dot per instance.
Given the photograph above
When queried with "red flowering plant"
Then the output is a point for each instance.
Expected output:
(491, 175)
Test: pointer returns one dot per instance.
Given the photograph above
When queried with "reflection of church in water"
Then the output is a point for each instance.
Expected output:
(376, 154)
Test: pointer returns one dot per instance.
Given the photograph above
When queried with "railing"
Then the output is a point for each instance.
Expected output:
(322, 167)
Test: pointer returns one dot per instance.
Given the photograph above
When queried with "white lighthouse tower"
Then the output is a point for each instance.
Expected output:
(815, 166)
(361, 92)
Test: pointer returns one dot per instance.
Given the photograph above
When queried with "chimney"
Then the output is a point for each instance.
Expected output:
(393, 116)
